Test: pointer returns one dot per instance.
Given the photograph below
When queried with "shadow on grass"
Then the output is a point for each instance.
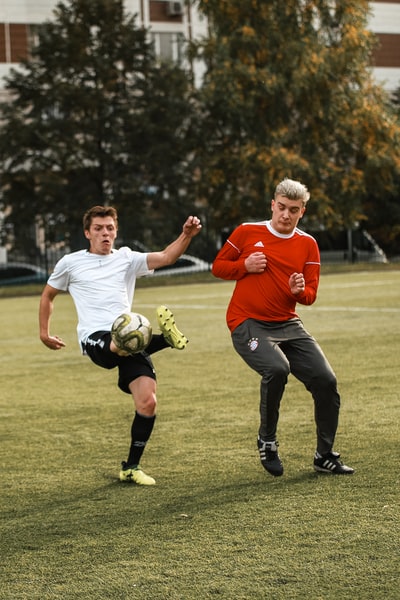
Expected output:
(51, 519)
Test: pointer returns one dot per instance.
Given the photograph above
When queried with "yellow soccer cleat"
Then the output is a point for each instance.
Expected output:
(135, 475)
(171, 333)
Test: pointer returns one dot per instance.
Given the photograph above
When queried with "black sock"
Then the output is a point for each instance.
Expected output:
(140, 433)
(157, 343)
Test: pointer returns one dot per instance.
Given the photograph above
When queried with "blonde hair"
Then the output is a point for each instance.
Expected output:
(294, 190)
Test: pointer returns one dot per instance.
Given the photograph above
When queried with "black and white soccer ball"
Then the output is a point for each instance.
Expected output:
(131, 333)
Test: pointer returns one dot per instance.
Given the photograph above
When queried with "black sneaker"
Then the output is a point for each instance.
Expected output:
(269, 457)
(330, 463)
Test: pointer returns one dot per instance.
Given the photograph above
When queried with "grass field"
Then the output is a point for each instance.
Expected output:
(216, 525)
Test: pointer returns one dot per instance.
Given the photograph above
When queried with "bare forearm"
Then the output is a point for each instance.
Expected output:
(175, 249)
(178, 247)
(45, 311)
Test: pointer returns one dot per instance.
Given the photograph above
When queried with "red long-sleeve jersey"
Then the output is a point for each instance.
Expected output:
(266, 296)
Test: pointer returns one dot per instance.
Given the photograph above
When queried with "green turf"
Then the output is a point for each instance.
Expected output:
(216, 525)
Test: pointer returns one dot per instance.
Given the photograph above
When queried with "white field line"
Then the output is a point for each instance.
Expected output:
(178, 306)
(224, 297)
(356, 284)
(382, 309)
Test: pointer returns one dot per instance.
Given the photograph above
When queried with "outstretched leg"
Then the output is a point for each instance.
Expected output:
(171, 333)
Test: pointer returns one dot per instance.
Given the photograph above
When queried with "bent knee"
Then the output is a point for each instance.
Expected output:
(323, 381)
(277, 372)
(143, 391)
(146, 405)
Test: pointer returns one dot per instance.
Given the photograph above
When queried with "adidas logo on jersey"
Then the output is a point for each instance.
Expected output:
(259, 245)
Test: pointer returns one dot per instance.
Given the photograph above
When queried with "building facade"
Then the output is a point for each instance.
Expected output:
(171, 23)
(385, 22)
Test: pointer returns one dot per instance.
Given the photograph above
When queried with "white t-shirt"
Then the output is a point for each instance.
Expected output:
(102, 286)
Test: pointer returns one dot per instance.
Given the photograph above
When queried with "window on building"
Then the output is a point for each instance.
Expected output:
(169, 46)
(33, 35)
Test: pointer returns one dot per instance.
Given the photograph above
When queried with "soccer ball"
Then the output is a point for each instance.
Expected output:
(131, 333)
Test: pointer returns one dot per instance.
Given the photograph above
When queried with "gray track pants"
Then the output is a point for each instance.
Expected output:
(275, 349)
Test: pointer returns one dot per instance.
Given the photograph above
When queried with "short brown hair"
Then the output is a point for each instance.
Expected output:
(99, 211)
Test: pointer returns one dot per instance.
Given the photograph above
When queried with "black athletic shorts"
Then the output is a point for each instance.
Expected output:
(97, 347)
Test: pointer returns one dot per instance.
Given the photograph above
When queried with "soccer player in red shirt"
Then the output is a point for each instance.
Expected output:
(275, 265)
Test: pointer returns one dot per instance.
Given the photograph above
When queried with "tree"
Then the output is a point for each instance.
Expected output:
(383, 211)
(288, 92)
(94, 118)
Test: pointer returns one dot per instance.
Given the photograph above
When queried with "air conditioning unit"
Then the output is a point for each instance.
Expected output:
(174, 9)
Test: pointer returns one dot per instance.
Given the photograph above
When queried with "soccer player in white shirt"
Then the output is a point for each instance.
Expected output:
(101, 281)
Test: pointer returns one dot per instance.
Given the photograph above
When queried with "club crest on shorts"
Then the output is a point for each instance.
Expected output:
(253, 344)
